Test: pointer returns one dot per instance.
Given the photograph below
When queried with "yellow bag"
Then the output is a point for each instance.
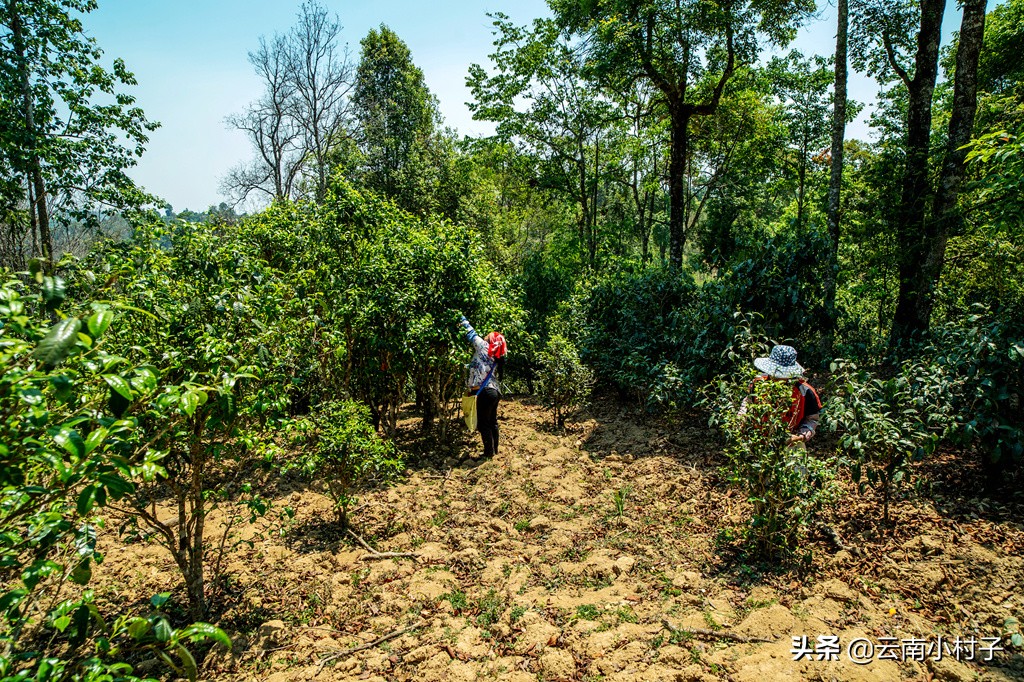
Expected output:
(469, 411)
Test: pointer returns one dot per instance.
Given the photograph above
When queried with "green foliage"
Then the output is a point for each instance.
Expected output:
(997, 155)
(457, 599)
(64, 448)
(397, 119)
(543, 105)
(203, 308)
(128, 636)
(1000, 68)
(67, 128)
(341, 447)
(380, 294)
(565, 382)
(490, 608)
(775, 277)
(632, 330)
(802, 85)
(688, 52)
(623, 33)
(619, 500)
(982, 361)
(887, 424)
(659, 338)
(69, 447)
(784, 485)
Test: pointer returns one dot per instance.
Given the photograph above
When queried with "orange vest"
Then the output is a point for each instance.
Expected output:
(798, 408)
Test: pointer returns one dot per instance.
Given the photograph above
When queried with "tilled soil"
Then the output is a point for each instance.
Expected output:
(604, 552)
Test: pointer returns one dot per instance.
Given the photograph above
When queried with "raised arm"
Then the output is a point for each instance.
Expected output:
(475, 340)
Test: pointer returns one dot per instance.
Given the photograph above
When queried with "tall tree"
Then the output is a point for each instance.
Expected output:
(679, 45)
(802, 85)
(302, 116)
(395, 116)
(642, 160)
(67, 131)
(542, 103)
(272, 129)
(945, 216)
(321, 75)
(908, 318)
(835, 181)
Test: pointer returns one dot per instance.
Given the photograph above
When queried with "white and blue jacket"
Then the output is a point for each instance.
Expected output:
(482, 363)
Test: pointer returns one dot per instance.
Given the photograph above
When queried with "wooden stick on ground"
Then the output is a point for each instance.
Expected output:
(700, 632)
(340, 653)
(375, 555)
(389, 555)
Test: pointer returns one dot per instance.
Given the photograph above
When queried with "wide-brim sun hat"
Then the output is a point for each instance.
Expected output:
(781, 363)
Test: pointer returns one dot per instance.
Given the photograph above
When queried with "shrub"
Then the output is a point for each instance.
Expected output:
(565, 382)
(375, 294)
(659, 337)
(785, 486)
(778, 279)
(342, 448)
(983, 360)
(203, 312)
(887, 424)
(68, 449)
(632, 335)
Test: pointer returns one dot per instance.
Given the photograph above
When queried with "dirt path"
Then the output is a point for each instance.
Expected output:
(565, 556)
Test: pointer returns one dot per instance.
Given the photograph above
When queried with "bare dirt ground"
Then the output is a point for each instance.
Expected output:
(584, 555)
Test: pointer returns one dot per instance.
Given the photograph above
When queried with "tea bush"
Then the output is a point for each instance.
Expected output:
(785, 486)
(659, 338)
(377, 293)
(632, 333)
(69, 448)
(202, 323)
(565, 382)
(887, 424)
(982, 357)
(340, 447)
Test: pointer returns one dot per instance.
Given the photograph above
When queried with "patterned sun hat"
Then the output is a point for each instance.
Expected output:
(781, 363)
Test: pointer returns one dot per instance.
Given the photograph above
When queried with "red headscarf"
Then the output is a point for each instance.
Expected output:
(496, 347)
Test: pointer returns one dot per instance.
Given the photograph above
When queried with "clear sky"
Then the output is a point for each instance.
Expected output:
(190, 59)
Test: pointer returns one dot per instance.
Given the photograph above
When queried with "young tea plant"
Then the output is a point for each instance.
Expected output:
(344, 450)
(784, 486)
(886, 425)
(565, 381)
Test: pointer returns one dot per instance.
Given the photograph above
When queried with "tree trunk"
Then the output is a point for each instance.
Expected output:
(592, 230)
(37, 197)
(584, 196)
(945, 216)
(680, 115)
(835, 182)
(801, 174)
(194, 545)
(910, 318)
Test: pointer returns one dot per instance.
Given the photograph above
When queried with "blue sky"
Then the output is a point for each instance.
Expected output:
(190, 59)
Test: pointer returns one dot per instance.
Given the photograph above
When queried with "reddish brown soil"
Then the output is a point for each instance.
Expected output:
(525, 570)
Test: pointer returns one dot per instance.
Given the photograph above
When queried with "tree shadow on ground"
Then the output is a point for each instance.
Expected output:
(630, 432)
(319, 534)
(961, 488)
(437, 451)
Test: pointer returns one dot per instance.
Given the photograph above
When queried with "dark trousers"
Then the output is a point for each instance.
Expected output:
(487, 419)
